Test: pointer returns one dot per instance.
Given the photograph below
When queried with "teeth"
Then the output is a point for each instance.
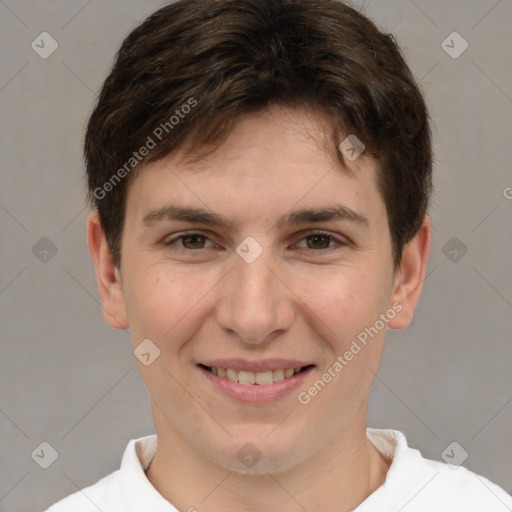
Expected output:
(232, 375)
(264, 378)
(261, 378)
(247, 377)
(277, 375)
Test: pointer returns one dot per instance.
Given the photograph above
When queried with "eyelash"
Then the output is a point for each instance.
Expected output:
(169, 243)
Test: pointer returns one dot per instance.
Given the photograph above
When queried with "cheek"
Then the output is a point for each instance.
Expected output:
(157, 300)
(343, 302)
(168, 305)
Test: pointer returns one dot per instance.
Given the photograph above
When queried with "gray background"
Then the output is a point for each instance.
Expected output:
(69, 379)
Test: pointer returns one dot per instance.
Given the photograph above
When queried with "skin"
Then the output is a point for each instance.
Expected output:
(296, 300)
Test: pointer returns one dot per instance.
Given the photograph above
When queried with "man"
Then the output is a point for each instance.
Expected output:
(260, 172)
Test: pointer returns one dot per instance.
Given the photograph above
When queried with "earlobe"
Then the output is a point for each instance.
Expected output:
(410, 275)
(108, 276)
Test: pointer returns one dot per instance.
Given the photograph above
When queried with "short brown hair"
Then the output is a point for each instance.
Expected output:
(204, 63)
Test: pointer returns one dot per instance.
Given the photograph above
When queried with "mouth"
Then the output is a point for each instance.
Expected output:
(260, 378)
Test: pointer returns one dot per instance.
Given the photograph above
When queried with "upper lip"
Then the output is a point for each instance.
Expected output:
(255, 366)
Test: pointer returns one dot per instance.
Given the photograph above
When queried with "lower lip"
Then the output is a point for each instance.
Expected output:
(255, 393)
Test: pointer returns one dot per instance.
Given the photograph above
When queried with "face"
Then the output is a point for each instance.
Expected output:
(264, 292)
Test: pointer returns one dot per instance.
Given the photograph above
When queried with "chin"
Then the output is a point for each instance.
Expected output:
(257, 455)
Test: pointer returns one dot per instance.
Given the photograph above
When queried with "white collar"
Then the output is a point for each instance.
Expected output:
(141, 495)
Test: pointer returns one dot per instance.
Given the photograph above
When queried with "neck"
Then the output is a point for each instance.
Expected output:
(350, 467)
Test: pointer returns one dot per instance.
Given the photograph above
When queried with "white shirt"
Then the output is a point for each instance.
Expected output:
(413, 484)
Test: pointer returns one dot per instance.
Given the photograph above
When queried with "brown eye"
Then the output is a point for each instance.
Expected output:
(189, 242)
(319, 241)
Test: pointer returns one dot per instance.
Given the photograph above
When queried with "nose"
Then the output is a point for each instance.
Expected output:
(256, 303)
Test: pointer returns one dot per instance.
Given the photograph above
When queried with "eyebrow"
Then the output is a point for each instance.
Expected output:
(297, 217)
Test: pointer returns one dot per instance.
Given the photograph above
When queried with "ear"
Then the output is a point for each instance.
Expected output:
(107, 275)
(409, 277)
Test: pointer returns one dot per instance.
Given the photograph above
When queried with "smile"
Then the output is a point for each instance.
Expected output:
(263, 378)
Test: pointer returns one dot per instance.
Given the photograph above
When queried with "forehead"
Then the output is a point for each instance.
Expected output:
(278, 158)
(311, 133)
